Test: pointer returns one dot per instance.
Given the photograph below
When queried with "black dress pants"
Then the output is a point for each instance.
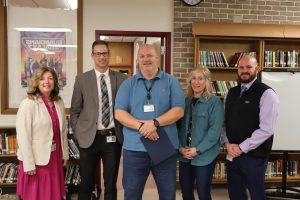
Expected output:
(110, 154)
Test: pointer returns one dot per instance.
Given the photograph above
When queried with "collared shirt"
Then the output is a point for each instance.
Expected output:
(268, 114)
(166, 93)
(207, 121)
(108, 84)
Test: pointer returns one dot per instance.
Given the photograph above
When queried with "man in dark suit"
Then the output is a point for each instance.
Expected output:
(98, 134)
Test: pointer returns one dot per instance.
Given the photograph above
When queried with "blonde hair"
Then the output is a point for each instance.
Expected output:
(206, 74)
(33, 86)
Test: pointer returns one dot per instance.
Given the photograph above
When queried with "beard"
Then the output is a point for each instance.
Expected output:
(248, 80)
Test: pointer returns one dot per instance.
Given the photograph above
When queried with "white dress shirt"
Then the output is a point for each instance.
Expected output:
(108, 84)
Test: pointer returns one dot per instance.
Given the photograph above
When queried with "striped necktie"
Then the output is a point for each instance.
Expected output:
(243, 89)
(105, 102)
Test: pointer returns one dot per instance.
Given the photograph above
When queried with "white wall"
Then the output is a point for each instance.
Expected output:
(122, 15)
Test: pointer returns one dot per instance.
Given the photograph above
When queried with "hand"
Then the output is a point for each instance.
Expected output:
(153, 136)
(31, 172)
(148, 128)
(188, 153)
(183, 151)
(192, 152)
(233, 149)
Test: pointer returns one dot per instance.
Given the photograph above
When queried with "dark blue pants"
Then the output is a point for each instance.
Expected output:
(202, 174)
(246, 172)
(136, 168)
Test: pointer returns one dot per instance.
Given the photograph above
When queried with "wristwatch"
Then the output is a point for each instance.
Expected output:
(156, 123)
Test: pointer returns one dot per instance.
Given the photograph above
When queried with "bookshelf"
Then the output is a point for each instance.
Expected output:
(231, 38)
(8, 159)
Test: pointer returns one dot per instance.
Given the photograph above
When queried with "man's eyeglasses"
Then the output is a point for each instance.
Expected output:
(98, 54)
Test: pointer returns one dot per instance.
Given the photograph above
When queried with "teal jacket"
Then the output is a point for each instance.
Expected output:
(208, 119)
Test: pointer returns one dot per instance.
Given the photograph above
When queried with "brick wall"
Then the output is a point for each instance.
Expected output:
(229, 11)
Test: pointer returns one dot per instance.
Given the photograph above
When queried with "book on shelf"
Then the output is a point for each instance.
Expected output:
(237, 57)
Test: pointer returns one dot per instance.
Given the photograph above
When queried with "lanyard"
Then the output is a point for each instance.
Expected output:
(190, 125)
(149, 89)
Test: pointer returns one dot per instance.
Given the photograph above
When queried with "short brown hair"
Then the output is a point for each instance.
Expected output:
(33, 86)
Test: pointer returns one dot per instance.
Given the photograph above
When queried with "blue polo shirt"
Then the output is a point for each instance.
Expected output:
(166, 93)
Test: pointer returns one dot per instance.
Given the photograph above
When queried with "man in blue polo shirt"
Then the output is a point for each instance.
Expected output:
(149, 99)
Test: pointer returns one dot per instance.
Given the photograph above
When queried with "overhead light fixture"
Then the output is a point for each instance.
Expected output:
(43, 29)
(72, 4)
(103, 37)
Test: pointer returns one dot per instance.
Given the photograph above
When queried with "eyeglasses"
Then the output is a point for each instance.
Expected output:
(98, 54)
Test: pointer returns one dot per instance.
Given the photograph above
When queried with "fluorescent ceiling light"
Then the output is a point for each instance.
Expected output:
(72, 4)
(102, 37)
(43, 29)
(62, 45)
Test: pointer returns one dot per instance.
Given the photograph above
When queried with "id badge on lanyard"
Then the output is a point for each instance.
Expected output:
(53, 146)
(149, 107)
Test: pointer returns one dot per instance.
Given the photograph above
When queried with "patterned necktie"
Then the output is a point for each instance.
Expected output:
(105, 102)
(243, 89)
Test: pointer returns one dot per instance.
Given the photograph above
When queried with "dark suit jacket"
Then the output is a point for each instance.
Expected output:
(85, 106)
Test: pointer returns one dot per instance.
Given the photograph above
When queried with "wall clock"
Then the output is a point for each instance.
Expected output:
(192, 2)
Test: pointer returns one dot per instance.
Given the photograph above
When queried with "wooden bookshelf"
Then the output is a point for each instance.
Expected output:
(6, 157)
(231, 38)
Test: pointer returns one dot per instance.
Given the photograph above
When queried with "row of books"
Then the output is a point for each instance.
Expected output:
(282, 59)
(275, 168)
(73, 149)
(8, 172)
(8, 143)
(72, 175)
(221, 88)
(213, 59)
(218, 59)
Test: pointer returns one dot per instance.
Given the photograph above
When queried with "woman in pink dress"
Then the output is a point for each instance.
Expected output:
(42, 139)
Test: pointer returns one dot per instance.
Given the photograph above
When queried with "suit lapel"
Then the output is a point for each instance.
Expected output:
(113, 82)
(93, 85)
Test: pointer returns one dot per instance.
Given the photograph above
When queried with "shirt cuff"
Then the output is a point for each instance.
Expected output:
(243, 147)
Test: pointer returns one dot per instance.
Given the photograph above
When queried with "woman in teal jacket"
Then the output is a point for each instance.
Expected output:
(199, 135)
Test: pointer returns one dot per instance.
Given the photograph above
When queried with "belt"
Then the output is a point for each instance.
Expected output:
(106, 131)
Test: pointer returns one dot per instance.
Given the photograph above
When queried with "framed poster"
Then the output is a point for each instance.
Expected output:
(34, 40)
